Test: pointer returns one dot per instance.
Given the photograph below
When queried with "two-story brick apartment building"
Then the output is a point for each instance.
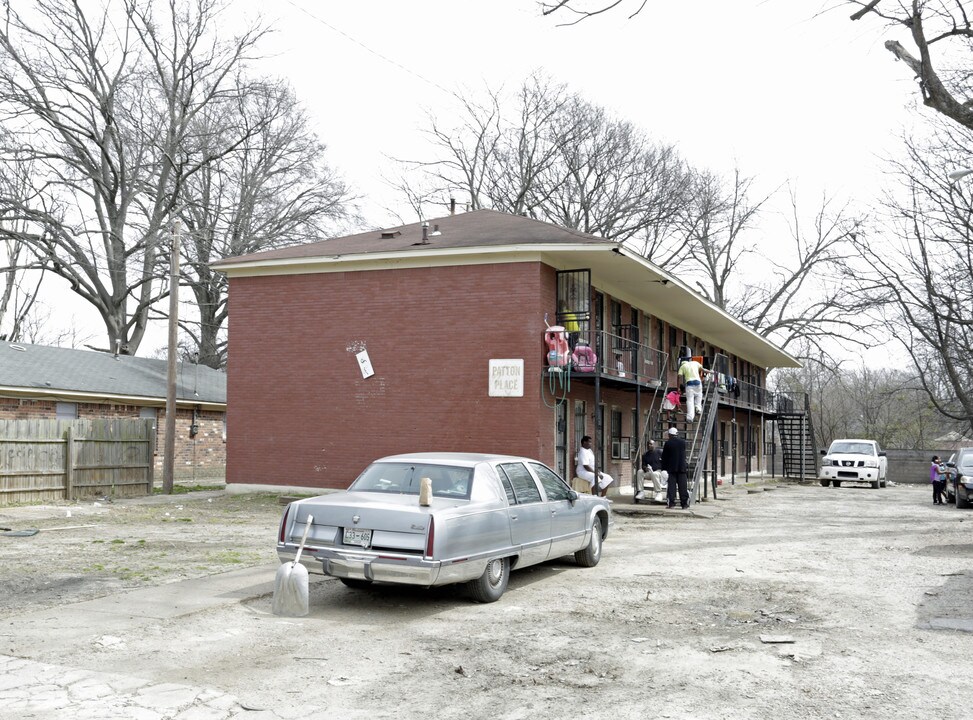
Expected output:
(433, 338)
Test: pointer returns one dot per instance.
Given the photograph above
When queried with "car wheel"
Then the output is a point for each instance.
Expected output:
(356, 583)
(876, 484)
(490, 585)
(590, 556)
(961, 503)
(825, 483)
(836, 483)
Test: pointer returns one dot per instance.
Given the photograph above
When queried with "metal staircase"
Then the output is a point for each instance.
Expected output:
(698, 438)
(798, 450)
(698, 434)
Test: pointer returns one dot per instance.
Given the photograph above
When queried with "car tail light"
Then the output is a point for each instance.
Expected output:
(430, 538)
(283, 524)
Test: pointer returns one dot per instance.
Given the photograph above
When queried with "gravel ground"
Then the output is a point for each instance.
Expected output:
(801, 602)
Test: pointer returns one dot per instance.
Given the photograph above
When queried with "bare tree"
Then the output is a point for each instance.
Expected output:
(105, 108)
(923, 271)
(273, 189)
(792, 297)
(942, 37)
(555, 157)
(18, 293)
(860, 401)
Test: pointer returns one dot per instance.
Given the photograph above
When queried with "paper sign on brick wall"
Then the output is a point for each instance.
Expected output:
(507, 378)
(364, 364)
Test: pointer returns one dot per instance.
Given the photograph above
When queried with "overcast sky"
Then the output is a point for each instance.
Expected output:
(785, 88)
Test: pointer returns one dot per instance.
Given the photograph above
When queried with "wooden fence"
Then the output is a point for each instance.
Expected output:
(42, 460)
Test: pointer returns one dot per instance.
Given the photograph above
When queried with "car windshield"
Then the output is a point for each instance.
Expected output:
(405, 478)
(851, 448)
(965, 463)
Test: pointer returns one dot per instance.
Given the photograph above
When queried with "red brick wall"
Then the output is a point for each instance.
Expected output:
(300, 412)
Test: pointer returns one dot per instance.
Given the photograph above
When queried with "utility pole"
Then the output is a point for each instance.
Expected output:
(169, 460)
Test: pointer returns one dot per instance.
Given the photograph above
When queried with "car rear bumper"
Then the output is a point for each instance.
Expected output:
(391, 568)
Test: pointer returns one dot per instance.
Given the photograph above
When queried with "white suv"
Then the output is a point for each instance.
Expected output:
(853, 461)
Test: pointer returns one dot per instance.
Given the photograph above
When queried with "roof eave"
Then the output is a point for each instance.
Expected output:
(96, 397)
(420, 256)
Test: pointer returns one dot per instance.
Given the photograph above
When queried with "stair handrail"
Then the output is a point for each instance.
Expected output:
(643, 435)
(703, 430)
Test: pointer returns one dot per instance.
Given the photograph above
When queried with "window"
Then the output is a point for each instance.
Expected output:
(553, 485)
(406, 479)
(149, 413)
(524, 487)
(616, 433)
(616, 314)
(507, 487)
(67, 411)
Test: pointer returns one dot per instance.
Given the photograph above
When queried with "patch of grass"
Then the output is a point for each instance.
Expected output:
(227, 557)
(186, 489)
(117, 541)
(97, 541)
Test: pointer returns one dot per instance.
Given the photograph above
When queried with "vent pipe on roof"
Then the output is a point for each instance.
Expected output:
(435, 231)
(425, 234)
(452, 206)
(118, 346)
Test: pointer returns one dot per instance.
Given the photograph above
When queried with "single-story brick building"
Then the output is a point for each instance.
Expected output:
(38, 381)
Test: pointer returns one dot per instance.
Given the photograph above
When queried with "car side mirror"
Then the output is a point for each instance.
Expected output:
(951, 465)
(882, 453)
(572, 496)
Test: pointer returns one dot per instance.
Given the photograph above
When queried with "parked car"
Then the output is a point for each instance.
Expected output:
(854, 460)
(487, 515)
(959, 478)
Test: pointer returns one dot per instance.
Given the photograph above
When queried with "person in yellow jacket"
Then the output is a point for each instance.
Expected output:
(569, 320)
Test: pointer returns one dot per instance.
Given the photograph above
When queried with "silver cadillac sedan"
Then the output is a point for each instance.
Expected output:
(439, 518)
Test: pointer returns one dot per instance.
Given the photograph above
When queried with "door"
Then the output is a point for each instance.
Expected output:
(567, 517)
(530, 518)
(561, 440)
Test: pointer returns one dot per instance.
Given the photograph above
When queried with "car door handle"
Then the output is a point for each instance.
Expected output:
(513, 517)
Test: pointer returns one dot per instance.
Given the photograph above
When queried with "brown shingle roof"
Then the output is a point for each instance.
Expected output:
(480, 228)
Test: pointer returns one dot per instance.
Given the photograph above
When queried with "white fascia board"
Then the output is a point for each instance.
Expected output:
(100, 398)
(694, 296)
(399, 259)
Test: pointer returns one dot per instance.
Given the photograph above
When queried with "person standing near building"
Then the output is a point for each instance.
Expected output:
(586, 468)
(691, 372)
(937, 475)
(674, 463)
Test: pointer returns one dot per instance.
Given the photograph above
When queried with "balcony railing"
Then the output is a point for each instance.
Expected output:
(616, 355)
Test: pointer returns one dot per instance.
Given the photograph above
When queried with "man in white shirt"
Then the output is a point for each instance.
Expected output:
(586, 467)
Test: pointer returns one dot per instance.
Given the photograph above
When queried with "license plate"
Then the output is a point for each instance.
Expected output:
(354, 536)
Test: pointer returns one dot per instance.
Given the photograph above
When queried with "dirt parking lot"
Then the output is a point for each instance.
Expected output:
(795, 602)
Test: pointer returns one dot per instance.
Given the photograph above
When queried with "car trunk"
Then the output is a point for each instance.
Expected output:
(384, 522)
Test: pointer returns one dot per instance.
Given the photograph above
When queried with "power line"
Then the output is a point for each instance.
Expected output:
(377, 54)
